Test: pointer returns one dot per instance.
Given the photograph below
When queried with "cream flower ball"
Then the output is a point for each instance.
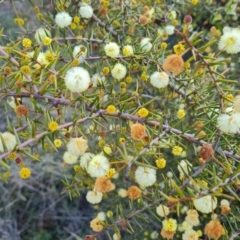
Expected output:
(205, 204)
(101, 216)
(127, 50)
(79, 52)
(94, 197)
(77, 79)
(119, 71)
(98, 166)
(145, 176)
(190, 234)
(9, 140)
(159, 79)
(77, 146)
(63, 19)
(41, 33)
(122, 192)
(145, 44)
(86, 11)
(162, 210)
(112, 49)
(69, 158)
(229, 123)
(230, 40)
(169, 29)
(85, 159)
(97, 79)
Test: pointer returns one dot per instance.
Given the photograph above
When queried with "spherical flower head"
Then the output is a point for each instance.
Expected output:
(63, 19)
(47, 41)
(184, 226)
(170, 224)
(112, 49)
(77, 146)
(134, 192)
(167, 234)
(184, 167)
(119, 71)
(77, 79)
(205, 204)
(26, 42)
(79, 52)
(9, 140)
(145, 44)
(229, 123)
(21, 110)
(187, 19)
(41, 33)
(214, 229)
(111, 109)
(53, 126)
(138, 131)
(190, 234)
(94, 197)
(57, 143)
(179, 48)
(159, 79)
(98, 79)
(122, 192)
(98, 166)
(25, 173)
(96, 225)
(145, 176)
(86, 11)
(127, 50)
(173, 63)
(161, 163)
(177, 150)
(104, 184)
(69, 158)
(85, 159)
(110, 172)
(192, 217)
(230, 41)
(181, 113)
(169, 29)
(142, 112)
(162, 210)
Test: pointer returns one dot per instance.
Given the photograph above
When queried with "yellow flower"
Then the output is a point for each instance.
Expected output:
(128, 79)
(170, 224)
(19, 21)
(199, 232)
(179, 48)
(57, 143)
(161, 163)
(25, 70)
(12, 155)
(180, 113)
(164, 45)
(26, 42)
(25, 173)
(142, 112)
(47, 41)
(101, 143)
(110, 172)
(177, 151)
(194, 2)
(229, 97)
(73, 26)
(76, 19)
(111, 109)
(175, 22)
(105, 70)
(53, 126)
(77, 168)
(122, 140)
(127, 50)
(49, 57)
(144, 77)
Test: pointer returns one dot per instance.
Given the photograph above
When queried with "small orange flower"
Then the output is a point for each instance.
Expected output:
(214, 229)
(173, 63)
(134, 192)
(104, 184)
(138, 131)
